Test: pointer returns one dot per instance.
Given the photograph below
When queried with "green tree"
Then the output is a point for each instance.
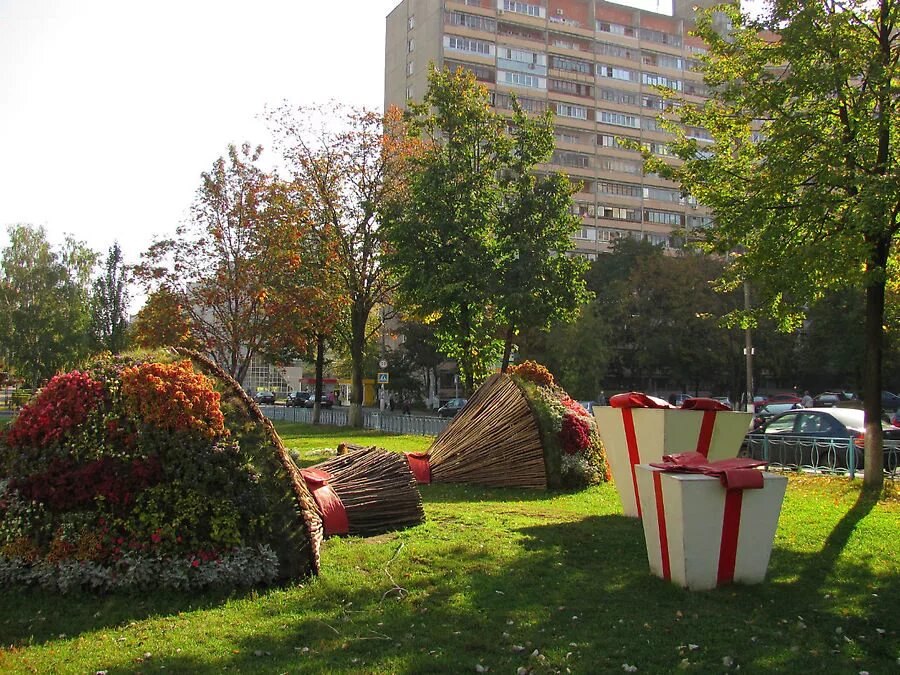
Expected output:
(479, 242)
(802, 173)
(44, 312)
(443, 232)
(538, 284)
(109, 304)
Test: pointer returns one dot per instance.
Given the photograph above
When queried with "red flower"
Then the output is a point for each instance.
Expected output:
(195, 563)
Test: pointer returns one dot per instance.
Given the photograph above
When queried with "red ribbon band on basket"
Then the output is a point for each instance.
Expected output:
(736, 475)
(334, 515)
(418, 464)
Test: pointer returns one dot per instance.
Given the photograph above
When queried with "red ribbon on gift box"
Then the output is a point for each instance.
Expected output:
(334, 516)
(635, 399)
(736, 475)
(418, 464)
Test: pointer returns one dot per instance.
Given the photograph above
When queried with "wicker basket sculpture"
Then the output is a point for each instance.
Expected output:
(151, 470)
(516, 431)
(376, 490)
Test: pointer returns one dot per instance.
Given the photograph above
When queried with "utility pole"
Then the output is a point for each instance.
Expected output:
(748, 351)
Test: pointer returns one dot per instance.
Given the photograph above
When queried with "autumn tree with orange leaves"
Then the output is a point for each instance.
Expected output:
(350, 162)
(238, 268)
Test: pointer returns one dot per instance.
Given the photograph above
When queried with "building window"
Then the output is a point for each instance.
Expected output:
(583, 209)
(462, 44)
(409, 68)
(409, 93)
(661, 60)
(654, 80)
(572, 65)
(520, 79)
(573, 159)
(616, 29)
(472, 21)
(612, 141)
(618, 213)
(606, 187)
(410, 45)
(620, 165)
(618, 96)
(521, 8)
(620, 119)
(411, 22)
(663, 195)
(618, 51)
(616, 73)
(575, 111)
(660, 37)
(663, 218)
(588, 233)
(571, 88)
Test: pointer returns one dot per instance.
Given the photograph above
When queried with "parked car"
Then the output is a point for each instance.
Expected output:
(830, 399)
(298, 398)
(889, 401)
(783, 398)
(818, 438)
(451, 407)
(766, 412)
(265, 397)
(324, 402)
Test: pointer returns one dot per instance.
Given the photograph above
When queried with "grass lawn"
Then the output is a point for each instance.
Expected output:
(505, 579)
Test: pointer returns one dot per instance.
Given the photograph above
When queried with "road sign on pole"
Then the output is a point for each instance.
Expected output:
(382, 378)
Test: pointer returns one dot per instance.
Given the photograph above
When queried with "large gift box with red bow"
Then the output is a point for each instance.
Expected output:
(637, 429)
(709, 523)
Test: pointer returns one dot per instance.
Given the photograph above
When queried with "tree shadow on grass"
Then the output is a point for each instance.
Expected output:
(581, 595)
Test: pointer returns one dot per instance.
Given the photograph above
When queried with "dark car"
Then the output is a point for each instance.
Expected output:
(265, 397)
(818, 438)
(831, 399)
(889, 401)
(297, 398)
(451, 407)
(324, 402)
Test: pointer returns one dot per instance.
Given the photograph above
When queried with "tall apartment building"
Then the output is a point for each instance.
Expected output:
(594, 64)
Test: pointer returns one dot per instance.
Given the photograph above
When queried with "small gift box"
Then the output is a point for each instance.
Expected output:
(709, 524)
(637, 429)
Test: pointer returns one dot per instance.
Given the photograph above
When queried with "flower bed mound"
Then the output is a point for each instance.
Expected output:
(150, 470)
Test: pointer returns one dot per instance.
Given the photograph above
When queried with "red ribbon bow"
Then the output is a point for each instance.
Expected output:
(635, 399)
(703, 404)
(334, 516)
(735, 474)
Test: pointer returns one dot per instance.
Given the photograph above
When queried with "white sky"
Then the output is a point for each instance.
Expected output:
(111, 109)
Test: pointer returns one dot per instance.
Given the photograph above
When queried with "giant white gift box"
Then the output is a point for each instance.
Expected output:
(701, 535)
(641, 435)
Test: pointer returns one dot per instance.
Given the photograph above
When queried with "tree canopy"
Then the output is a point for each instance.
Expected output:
(44, 311)
(248, 231)
(802, 173)
(478, 243)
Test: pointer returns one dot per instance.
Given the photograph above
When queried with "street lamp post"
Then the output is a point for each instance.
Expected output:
(748, 350)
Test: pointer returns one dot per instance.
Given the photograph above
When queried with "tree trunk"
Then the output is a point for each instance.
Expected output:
(320, 366)
(507, 347)
(358, 318)
(874, 453)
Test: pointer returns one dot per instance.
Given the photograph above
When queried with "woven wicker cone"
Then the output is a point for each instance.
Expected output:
(307, 505)
(377, 489)
(494, 440)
